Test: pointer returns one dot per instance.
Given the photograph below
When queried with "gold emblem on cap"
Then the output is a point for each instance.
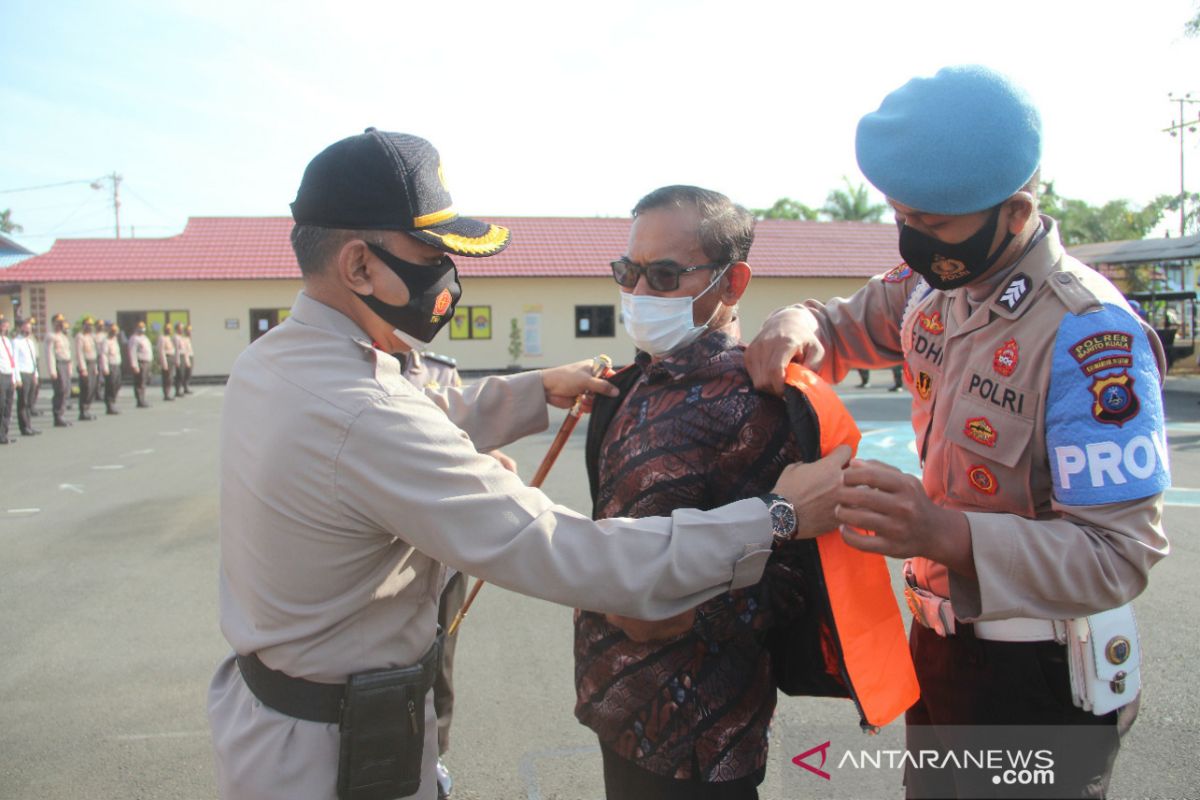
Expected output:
(1117, 650)
(442, 177)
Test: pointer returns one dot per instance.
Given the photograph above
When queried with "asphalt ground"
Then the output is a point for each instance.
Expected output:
(108, 626)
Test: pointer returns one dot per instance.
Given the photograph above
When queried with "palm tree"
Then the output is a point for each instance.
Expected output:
(851, 205)
(786, 208)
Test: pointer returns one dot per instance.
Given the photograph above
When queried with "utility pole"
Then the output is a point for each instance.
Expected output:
(115, 180)
(1177, 129)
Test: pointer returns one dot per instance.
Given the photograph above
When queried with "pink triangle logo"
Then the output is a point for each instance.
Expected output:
(799, 760)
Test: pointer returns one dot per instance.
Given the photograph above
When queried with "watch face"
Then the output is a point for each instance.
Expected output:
(783, 518)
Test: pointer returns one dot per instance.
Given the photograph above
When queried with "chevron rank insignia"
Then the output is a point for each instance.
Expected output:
(1015, 293)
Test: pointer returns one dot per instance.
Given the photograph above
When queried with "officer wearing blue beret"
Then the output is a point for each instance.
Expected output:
(1038, 416)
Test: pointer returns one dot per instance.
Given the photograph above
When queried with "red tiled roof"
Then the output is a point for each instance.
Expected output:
(249, 248)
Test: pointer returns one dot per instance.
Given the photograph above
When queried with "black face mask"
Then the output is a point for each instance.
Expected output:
(946, 266)
(433, 292)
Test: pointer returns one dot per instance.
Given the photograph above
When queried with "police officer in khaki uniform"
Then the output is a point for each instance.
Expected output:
(111, 360)
(1038, 417)
(25, 350)
(167, 360)
(58, 363)
(344, 489)
(428, 370)
(187, 358)
(10, 380)
(141, 355)
(180, 358)
(86, 364)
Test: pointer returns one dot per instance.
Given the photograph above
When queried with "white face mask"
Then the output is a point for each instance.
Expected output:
(659, 325)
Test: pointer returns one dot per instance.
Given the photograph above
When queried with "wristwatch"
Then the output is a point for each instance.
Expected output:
(783, 515)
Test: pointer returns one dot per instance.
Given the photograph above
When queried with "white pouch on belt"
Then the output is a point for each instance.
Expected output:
(1104, 660)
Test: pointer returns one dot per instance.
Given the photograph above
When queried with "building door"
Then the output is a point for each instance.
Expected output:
(263, 319)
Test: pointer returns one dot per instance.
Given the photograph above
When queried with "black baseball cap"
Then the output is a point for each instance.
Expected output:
(392, 182)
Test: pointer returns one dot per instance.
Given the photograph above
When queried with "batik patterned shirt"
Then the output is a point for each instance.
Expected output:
(692, 433)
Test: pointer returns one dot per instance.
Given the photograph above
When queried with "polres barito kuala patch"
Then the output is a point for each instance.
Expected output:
(1105, 434)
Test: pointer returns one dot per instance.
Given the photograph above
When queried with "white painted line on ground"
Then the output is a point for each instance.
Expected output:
(139, 452)
(71, 487)
(24, 510)
(141, 737)
(109, 466)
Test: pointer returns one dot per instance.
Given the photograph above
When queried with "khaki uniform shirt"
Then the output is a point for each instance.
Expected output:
(186, 352)
(1037, 411)
(140, 348)
(85, 351)
(166, 351)
(343, 487)
(110, 355)
(58, 348)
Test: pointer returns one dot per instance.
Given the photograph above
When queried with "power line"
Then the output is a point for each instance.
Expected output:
(46, 186)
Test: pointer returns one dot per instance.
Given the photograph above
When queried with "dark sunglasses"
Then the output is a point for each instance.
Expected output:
(660, 277)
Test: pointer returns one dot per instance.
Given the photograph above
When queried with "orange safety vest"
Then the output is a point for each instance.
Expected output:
(855, 644)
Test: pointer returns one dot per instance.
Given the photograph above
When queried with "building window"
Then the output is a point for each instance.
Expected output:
(263, 319)
(471, 322)
(593, 321)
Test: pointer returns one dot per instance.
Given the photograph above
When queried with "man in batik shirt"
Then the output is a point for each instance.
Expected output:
(682, 706)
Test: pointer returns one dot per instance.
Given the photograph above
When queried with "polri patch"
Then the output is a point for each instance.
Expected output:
(898, 274)
(1006, 357)
(1116, 402)
(931, 322)
(997, 393)
(978, 429)
(1015, 293)
(982, 479)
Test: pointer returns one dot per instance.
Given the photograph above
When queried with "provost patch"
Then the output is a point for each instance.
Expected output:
(982, 479)
(1005, 359)
(978, 429)
(897, 274)
(1116, 403)
(931, 322)
(1105, 432)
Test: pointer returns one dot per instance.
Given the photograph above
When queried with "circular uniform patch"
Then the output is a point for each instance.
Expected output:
(982, 479)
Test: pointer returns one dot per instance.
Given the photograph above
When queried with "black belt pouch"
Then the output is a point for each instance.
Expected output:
(383, 734)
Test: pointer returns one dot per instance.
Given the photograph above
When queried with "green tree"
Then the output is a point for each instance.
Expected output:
(1116, 220)
(1192, 26)
(851, 204)
(6, 223)
(515, 345)
(786, 208)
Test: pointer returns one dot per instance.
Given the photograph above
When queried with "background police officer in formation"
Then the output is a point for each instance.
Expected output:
(95, 355)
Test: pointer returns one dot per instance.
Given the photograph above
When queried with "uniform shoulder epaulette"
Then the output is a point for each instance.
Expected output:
(449, 361)
(1078, 297)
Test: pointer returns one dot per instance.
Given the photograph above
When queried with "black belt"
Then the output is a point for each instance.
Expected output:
(309, 700)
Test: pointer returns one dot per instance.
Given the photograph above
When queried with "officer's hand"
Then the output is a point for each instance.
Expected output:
(810, 488)
(878, 497)
(505, 460)
(788, 335)
(563, 384)
(641, 630)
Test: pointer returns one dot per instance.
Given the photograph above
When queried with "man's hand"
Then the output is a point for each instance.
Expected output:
(878, 497)
(563, 384)
(640, 630)
(810, 489)
(788, 335)
(135, 368)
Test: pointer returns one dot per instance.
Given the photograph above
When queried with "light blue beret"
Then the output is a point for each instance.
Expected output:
(959, 142)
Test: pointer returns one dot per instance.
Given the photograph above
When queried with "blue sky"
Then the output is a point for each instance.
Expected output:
(547, 108)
